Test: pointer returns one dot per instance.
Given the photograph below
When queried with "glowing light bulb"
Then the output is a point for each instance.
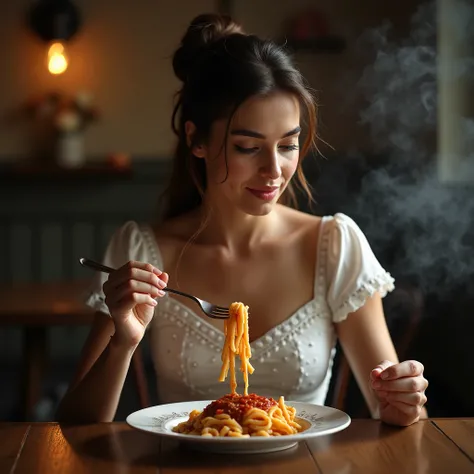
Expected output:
(57, 58)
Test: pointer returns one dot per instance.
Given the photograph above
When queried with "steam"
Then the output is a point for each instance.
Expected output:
(402, 205)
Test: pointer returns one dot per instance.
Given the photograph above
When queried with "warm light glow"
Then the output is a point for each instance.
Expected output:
(57, 58)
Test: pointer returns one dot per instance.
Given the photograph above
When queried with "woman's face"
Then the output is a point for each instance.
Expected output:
(262, 154)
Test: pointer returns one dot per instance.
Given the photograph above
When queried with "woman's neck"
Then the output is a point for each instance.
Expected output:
(233, 229)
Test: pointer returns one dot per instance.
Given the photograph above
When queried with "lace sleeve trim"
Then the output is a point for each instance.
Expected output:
(383, 283)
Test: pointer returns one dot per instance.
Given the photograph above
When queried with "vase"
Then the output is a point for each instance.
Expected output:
(70, 150)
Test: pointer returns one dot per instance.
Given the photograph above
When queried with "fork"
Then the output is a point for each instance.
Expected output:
(211, 310)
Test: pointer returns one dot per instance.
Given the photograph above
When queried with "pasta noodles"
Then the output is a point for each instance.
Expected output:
(235, 415)
(236, 331)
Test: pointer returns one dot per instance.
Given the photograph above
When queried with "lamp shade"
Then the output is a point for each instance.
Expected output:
(54, 19)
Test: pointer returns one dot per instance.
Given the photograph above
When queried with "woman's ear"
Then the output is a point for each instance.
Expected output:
(190, 130)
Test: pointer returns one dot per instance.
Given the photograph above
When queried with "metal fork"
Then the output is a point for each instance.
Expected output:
(211, 310)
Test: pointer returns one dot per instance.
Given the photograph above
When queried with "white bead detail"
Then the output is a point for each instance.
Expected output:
(194, 364)
(275, 369)
(175, 336)
(214, 359)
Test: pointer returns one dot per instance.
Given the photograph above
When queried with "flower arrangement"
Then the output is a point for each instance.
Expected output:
(66, 114)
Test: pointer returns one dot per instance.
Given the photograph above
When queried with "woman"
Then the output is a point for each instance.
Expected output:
(230, 234)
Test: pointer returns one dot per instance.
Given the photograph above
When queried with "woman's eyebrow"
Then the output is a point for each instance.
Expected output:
(250, 133)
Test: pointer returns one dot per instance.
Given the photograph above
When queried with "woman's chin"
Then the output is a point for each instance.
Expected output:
(259, 210)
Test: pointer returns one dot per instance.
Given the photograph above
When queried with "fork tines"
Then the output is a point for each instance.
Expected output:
(220, 312)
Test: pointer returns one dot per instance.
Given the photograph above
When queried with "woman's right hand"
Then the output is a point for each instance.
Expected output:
(129, 295)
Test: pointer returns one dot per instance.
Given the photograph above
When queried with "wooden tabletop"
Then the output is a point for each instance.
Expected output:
(44, 304)
(366, 446)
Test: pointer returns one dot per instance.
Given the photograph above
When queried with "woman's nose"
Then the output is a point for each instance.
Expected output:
(271, 167)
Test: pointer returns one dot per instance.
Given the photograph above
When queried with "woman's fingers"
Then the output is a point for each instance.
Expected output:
(133, 286)
(135, 271)
(375, 373)
(406, 384)
(415, 398)
(129, 300)
(407, 368)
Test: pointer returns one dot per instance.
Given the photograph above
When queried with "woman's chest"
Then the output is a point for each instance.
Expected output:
(274, 285)
(292, 357)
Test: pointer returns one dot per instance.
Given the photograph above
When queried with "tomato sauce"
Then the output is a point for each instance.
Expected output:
(237, 405)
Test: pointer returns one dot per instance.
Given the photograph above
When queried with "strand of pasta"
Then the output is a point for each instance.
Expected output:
(236, 332)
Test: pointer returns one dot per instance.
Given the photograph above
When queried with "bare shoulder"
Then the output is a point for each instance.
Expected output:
(173, 234)
(299, 221)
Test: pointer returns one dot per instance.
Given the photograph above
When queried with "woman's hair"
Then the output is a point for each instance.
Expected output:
(220, 67)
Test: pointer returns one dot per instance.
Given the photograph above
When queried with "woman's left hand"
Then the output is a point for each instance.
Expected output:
(400, 390)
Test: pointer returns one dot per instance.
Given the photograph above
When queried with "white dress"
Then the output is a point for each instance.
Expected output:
(294, 359)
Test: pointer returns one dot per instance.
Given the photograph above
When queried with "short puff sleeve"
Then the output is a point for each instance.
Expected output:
(353, 272)
(126, 244)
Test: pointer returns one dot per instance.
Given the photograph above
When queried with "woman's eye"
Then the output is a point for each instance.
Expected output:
(289, 147)
(247, 151)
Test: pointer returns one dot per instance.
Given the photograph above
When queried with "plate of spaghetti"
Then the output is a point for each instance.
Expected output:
(236, 422)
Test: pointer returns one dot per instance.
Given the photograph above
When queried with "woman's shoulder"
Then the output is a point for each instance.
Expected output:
(171, 235)
(299, 219)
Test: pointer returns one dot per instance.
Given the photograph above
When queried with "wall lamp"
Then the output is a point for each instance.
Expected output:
(55, 22)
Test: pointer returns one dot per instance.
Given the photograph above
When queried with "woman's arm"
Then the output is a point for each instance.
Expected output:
(95, 390)
(367, 345)
(130, 295)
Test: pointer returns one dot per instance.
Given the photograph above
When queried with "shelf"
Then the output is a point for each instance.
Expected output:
(37, 172)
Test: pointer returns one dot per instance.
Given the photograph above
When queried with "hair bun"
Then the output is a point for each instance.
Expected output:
(204, 30)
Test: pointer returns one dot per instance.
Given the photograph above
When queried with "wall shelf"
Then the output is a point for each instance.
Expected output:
(39, 172)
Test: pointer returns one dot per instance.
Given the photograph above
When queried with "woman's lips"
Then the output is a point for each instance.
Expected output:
(265, 194)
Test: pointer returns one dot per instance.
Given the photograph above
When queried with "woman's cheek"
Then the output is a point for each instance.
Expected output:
(290, 168)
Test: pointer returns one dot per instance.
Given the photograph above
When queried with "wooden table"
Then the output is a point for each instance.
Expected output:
(35, 307)
(436, 446)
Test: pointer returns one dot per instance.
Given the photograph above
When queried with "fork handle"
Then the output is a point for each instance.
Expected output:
(95, 265)
(104, 268)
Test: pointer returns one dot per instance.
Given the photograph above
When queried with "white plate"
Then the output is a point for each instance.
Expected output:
(160, 420)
